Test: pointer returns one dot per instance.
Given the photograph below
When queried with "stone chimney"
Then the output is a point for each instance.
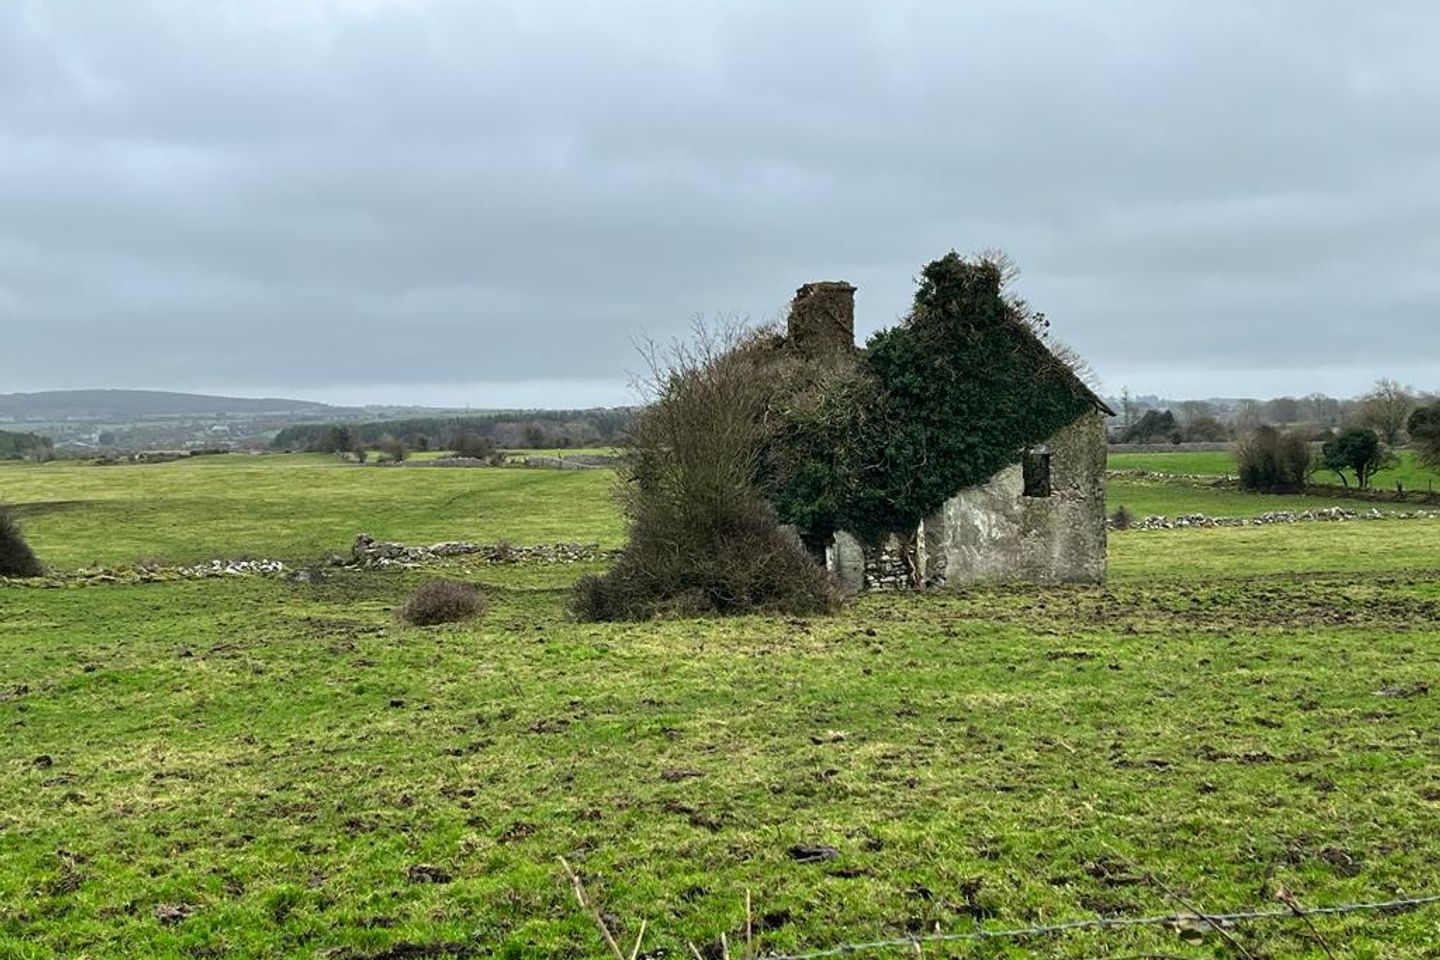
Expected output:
(822, 318)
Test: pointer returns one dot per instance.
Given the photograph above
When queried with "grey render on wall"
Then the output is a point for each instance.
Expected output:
(1041, 520)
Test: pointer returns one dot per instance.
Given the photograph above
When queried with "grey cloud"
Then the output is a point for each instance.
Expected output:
(321, 194)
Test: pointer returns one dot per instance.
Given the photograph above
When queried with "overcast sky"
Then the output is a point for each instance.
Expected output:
(436, 201)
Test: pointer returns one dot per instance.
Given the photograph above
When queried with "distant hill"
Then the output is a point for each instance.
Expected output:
(126, 405)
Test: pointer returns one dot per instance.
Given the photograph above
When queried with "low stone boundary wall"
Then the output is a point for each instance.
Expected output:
(150, 574)
(581, 461)
(366, 552)
(445, 462)
(369, 552)
(1213, 479)
(1331, 515)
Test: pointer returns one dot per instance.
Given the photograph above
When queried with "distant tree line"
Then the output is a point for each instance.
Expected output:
(1281, 443)
(540, 429)
(1273, 460)
(25, 446)
(1386, 409)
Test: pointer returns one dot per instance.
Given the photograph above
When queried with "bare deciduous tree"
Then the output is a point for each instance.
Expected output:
(1248, 415)
(703, 538)
(1320, 409)
(1282, 410)
(1385, 408)
(1192, 410)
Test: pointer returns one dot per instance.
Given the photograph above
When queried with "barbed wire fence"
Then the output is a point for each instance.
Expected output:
(1191, 920)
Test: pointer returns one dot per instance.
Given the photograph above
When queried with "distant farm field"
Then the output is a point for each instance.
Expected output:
(1408, 471)
(1151, 497)
(302, 507)
(253, 767)
(1215, 463)
(295, 507)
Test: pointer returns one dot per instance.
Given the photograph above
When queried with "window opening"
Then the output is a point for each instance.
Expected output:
(1036, 469)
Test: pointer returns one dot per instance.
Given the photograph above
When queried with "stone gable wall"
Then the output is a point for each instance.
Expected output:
(993, 533)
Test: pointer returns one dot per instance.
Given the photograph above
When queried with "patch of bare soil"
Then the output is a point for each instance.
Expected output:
(1321, 600)
(406, 951)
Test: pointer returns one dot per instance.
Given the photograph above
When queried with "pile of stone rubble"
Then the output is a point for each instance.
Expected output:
(366, 552)
(221, 568)
(369, 552)
(150, 573)
(1332, 514)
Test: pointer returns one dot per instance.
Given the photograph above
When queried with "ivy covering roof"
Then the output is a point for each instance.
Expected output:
(942, 401)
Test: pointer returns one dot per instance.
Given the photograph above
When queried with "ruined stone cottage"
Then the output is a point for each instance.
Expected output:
(1039, 520)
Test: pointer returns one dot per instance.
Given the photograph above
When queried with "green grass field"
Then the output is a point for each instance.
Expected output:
(253, 767)
(1216, 463)
(1408, 471)
(294, 507)
(300, 507)
(1148, 497)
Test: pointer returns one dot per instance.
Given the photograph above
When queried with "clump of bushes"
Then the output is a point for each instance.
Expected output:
(16, 557)
(1154, 427)
(474, 446)
(1424, 427)
(703, 539)
(728, 561)
(392, 450)
(1272, 461)
(443, 601)
(1358, 450)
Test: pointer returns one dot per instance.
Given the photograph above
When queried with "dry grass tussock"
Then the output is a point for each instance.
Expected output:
(443, 601)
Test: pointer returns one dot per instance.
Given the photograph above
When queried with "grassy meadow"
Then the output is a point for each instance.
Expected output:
(1408, 471)
(293, 507)
(256, 767)
(302, 507)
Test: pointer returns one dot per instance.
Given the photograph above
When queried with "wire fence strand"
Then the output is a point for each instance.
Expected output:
(1110, 923)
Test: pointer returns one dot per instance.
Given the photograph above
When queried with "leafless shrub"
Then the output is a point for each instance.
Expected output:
(392, 449)
(1386, 407)
(702, 539)
(443, 601)
(1270, 461)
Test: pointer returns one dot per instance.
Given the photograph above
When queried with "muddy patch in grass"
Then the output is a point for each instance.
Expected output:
(1320, 600)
